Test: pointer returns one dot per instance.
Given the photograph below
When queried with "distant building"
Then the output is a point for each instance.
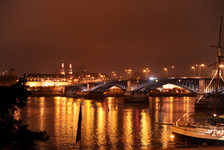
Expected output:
(47, 80)
(43, 80)
(62, 69)
(63, 78)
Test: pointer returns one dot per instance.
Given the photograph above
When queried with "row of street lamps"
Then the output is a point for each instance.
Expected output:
(169, 71)
(145, 71)
(129, 71)
(200, 66)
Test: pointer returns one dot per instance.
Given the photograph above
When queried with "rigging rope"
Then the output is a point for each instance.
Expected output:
(208, 86)
(221, 77)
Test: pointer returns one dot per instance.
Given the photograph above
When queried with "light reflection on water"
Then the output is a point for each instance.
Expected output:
(106, 124)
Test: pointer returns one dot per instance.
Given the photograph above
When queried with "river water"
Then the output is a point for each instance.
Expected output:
(107, 124)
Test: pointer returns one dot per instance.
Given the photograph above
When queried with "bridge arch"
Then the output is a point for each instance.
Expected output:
(149, 86)
(104, 87)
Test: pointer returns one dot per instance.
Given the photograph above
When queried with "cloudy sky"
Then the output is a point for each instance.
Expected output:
(108, 35)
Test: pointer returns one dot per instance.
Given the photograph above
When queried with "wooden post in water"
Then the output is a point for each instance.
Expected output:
(78, 134)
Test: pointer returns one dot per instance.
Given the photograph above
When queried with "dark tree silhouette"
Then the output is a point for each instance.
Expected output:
(14, 134)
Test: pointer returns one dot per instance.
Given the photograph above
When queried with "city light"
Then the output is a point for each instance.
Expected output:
(114, 74)
(152, 78)
(193, 68)
(172, 74)
(221, 66)
(200, 69)
(166, 71)
(146, 72)
(128, 72)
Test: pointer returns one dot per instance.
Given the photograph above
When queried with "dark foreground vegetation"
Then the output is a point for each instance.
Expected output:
(13, 133)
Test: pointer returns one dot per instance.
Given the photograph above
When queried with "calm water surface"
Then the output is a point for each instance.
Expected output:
(107, 124)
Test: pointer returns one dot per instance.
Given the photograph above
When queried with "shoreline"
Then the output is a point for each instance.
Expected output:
(111, 95)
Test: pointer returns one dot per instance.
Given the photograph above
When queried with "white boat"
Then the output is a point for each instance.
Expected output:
(214, 133)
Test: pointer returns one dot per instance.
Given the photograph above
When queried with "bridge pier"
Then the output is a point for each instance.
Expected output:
(87, 87)
(131, 85)
(128, 89)
(201, 87)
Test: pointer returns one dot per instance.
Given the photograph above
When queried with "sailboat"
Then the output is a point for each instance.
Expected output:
(214, 100)
(212, 131)
(209, 132)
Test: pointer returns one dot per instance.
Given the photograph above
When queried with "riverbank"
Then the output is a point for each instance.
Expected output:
(101, 96)
(47, 95)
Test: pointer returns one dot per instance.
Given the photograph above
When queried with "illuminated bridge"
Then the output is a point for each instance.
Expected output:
(142, 87)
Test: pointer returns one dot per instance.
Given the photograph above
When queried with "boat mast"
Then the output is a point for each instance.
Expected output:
(219, 58)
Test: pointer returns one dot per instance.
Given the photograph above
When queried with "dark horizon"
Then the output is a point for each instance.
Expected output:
(108, 36)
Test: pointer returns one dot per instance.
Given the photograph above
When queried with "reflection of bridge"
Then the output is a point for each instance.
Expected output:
(193, 85)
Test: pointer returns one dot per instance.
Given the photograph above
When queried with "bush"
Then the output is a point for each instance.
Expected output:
(13, 133)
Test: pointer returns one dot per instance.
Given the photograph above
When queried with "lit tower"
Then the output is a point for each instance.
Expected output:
(62, 69)
(70, 72)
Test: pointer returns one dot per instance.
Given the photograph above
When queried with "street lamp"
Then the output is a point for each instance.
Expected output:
(114, 74)
(146, 72)
(193, 68)
(166, 71)
(200, 69)
(221, 66)
(172, 71)
(128, 71)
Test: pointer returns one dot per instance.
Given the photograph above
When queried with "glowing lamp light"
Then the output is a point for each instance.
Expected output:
(172, 136)
(221, 66)
(202, 65)
(151, 78)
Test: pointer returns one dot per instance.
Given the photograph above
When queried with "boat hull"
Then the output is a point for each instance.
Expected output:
(198, 133)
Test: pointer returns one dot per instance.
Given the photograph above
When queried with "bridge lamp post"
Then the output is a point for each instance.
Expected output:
(166, 71)
(172, 71)
(196, 72)
(128, 71)
(193, 68)
(221, 66)
(200, 69)
(114, 74)
(146, 72)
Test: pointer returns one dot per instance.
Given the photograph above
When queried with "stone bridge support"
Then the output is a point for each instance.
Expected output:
(87, 87)
(202, 86)
(131, 85)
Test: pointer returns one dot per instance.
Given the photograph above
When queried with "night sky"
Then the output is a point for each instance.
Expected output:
(108, 35)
